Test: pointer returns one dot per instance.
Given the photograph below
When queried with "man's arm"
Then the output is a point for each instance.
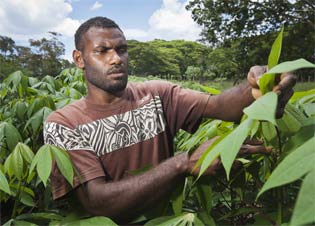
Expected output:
(125, 199)
(229, 105)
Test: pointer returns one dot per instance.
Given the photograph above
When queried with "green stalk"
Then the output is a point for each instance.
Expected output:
(279, 207)
(17, 200)
(279, 190)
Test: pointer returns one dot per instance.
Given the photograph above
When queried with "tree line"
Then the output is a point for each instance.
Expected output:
(42, 57)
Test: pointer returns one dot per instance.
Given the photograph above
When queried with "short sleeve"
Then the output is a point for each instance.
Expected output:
(85, 161)
(184, 108)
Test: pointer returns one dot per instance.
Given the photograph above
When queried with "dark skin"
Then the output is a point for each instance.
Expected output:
(104, 59)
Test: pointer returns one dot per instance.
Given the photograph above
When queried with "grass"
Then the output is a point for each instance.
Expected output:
(220, 85)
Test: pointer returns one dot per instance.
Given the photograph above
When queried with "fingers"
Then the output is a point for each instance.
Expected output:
(253, 141)
(254, 149)
(254, 74)
(286, 82)
(284, 89)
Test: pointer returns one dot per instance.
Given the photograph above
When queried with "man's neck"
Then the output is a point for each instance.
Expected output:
(99, 96)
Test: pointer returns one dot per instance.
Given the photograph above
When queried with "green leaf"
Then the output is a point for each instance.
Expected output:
(254, 129)
(184, 219)
(20, 108)
(294, 166)
(158, 221)
(12, 135)
(210, 90)
(266, 82)
(25, 151)
(39, 216)
(64, 163)
(268, 130)
(93, 221)
(264, 108)
(14, 79)
(298, 95)
(288, 123)
(44, 164)
(293, 65)
(17, 162)
(300, 137)
(27, 200)
(309, 109)
(304, 209)
(4, 186)
(231, 145)
(204, 193)
(208, 156)
(177, 197)
(23, 223)
(275, 50)
(8, 165)
(36, 121)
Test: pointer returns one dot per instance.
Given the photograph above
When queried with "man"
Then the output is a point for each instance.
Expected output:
(120, 127)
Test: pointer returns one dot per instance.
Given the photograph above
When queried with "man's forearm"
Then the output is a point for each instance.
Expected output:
(229, 105)
(125, 199)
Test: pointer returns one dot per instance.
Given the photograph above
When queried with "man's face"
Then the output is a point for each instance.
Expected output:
(105, 59)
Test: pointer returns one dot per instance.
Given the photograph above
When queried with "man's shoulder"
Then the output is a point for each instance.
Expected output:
(68, 114)
(155, 86)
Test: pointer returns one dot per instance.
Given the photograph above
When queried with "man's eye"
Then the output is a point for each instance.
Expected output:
(122, 50)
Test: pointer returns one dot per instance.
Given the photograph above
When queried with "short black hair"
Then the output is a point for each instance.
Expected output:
(101, 22)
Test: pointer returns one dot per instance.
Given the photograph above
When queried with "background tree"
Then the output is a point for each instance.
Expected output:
(248, 27)
(42, 57)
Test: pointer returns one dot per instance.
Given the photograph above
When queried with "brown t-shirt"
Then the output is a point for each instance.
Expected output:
(112, 140)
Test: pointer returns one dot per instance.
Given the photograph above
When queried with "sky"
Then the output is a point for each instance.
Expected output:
(143, 20)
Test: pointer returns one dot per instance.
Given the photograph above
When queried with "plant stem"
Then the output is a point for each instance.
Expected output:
(279, 190)
(279, 139)
(279, 207)
(16, 201)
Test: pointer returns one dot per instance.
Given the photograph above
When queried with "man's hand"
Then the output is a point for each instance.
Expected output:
(249, 147)
(283, 86)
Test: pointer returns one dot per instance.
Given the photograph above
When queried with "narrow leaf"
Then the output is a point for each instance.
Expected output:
(293, 65)
(208, 156)
(44, 164)
(275, 50)
(92, 222)
(304, 209)
(17, 165)
(12, 135)
(177, 197)
(4, 186)
(266, 82)
(294, 166)
(25, 151)
(231, 145)
(64, 163)
(264, 108)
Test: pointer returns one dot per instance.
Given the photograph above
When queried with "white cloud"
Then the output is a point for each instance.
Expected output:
(173, 21)
(32, 19)
(23, 19)
(20, 17)
(137, 34)
(96, 6)
(67, 27)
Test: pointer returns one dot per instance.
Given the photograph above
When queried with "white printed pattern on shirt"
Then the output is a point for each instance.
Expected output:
(111, 133)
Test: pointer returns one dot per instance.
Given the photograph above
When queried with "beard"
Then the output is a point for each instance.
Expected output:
(102, 80)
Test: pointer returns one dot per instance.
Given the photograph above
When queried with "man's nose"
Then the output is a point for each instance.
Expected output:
(115, 58)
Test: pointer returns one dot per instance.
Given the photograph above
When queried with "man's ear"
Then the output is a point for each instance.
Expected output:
(78, 58)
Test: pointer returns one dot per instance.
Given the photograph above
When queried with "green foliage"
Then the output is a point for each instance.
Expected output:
(183, 220)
